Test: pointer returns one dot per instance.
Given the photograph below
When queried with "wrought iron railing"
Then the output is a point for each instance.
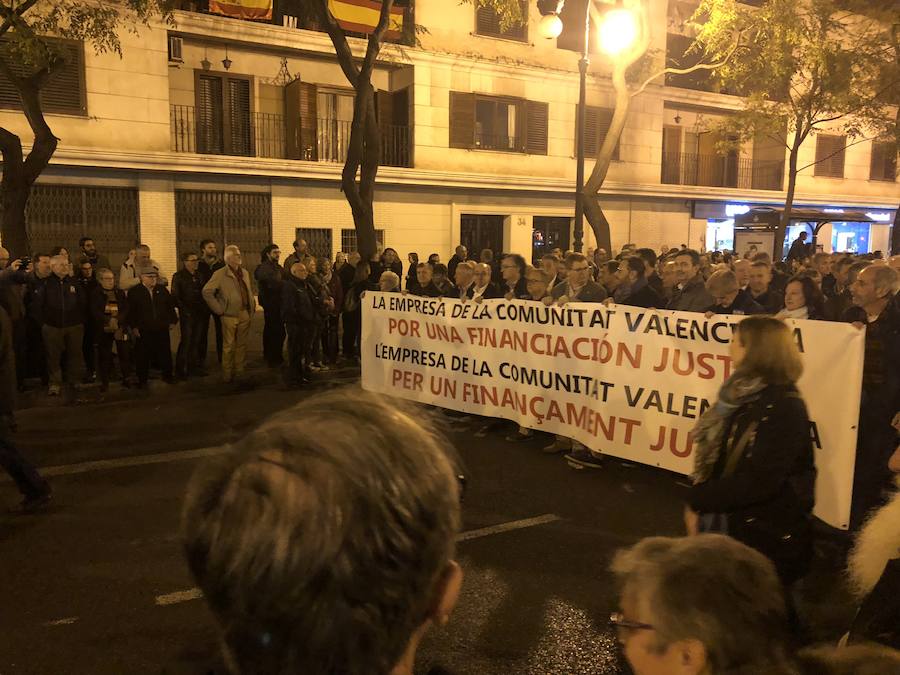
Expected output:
(681, 168)
(264, 135)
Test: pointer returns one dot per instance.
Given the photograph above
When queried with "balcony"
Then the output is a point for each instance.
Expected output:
(265, 135)
(717, 171)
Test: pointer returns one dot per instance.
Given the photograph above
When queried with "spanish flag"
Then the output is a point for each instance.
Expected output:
(243, 9)
(361, 16)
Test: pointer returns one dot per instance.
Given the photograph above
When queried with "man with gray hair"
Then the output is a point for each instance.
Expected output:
(324, 541)
(874, 292)
(60, 308)
(130, 273)
(706, 605)
(728, 296)
(229, 295)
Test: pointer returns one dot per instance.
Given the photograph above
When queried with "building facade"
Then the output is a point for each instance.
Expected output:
(236, 131)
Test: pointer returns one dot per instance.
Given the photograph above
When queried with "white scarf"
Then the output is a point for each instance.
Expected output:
(802, 313)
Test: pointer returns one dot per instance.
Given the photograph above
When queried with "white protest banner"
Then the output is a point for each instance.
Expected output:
(625, 381)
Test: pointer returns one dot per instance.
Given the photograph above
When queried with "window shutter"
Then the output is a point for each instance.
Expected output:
(671, 159)
(209, 115)
(591, 130)
(239, 129)
(309, 122)
(883, 165)
(536, 119)
(830, 152)
(462, 120)
(487, 22)
(64, 92)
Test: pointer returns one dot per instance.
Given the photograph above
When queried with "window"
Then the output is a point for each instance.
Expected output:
(830, 155)
(64, 92)
(223, 104)
(884, 161)
(478, 232)
(498, 123)
(596, 126)
(487, 22)
(318, 240)
(348, 239)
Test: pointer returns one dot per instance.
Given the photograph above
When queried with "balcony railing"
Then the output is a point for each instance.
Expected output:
(265, 134)
(682, 168)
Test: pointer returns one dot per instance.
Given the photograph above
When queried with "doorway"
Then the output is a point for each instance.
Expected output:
(478, 232)
(548, 233)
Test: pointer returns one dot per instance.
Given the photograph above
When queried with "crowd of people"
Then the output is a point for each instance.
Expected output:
(365, 588)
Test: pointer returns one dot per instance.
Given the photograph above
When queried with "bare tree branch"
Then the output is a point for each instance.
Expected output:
(836, 152)
(686, 71)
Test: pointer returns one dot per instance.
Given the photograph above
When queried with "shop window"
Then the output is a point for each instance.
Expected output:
(850, 237)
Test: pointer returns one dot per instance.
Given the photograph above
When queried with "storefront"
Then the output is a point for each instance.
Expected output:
(838, 236)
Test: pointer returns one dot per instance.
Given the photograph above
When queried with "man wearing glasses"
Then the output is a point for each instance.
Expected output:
(514, 285)
(700, 605)
(578, 286)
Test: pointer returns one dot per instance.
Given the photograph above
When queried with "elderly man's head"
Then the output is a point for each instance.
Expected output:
(723, 287)
(59, 265)
(464, 273)
(742, 272)
(299, 271)
(141, 255)
(388, 282)
(536, 280)
(424, 274)
(233, 257)
(107, 279)
(482, 275)
(149, 276)
(874, 285)
(699, 605)
(324, 540)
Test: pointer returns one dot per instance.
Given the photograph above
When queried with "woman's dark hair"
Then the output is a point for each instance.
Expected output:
(414, 257)
(434, 258)
(635, 264)
(361, 275)
(815, 301)
(519, 262)
(266, 251)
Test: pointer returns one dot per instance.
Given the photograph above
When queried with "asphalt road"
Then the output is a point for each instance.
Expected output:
(97, 585)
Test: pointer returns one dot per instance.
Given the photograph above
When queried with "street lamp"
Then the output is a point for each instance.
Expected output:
(618, 30)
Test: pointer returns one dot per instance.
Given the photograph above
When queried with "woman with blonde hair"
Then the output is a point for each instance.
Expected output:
(754, 472)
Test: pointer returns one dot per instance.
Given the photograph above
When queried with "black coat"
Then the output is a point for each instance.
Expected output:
(520, 290)
(878, 619)
(743, 304)
(772, 301)
(60, 302)
(269, 280)
(656, 284)
(429, 291)
(151, 313)
(646, 296)
(187, 292)
(769, 495)
(299, 303)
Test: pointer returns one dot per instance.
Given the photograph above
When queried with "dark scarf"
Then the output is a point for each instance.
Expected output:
(710, 428)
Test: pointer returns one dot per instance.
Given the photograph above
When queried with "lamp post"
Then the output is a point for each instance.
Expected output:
(617, 32)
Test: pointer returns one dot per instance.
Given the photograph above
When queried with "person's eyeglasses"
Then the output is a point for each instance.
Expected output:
(623, 625)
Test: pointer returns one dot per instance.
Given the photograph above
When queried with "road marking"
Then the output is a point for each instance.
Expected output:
(123, 462)
(178, 596)
(509, 527)
(196, 594)
(69, 620)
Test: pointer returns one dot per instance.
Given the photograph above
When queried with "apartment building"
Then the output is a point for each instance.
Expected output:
(236, 130)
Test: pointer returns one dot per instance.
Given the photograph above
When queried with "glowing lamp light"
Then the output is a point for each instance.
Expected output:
(551, 26)
(617, 31)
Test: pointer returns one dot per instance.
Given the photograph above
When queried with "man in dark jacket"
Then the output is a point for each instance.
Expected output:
(799, 248)
(35, 491)
(36, 354)
(632, 276)
(760, 288)
(270, 280)
(578, 286)
(461, 255)
(648, 256)
(299, 309)
(210, 263)
(86, 276)
(482, 287)
(108, 310)
(425, 286)
(13, 277)
(874, 292)
(60, 308)
(151, 313)
(514, 284)
(193, 314)
(90, 254)
(690, 295)
(728, 297)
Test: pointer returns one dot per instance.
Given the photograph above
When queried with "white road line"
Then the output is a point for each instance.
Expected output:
(123, 462)
(69, 620)
(196, 594)
(508, 527)
(178, 596)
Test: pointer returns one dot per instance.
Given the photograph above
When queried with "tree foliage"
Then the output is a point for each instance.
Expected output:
(807, 67)
(30, 58)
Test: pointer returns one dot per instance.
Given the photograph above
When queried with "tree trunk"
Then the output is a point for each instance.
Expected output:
(781, 232)
(362, 157)
(590, 195)
(14, 191)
